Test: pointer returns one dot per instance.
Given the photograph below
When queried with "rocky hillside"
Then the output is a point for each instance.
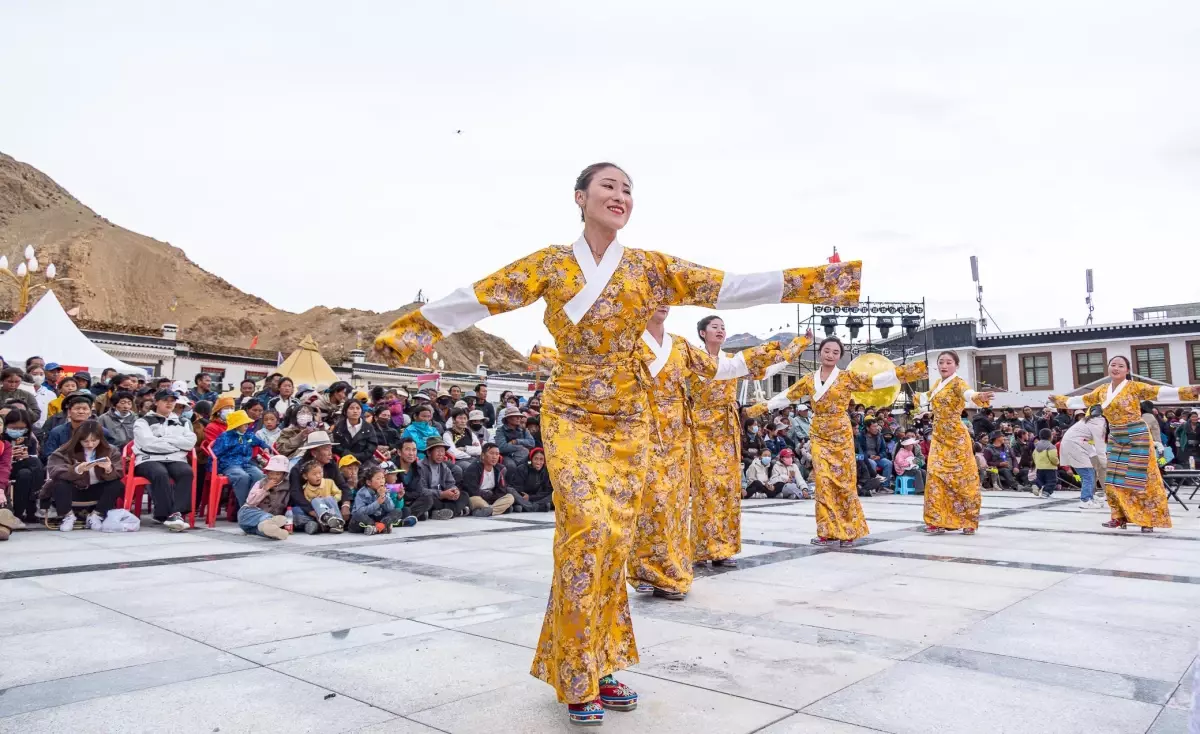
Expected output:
(109, 267)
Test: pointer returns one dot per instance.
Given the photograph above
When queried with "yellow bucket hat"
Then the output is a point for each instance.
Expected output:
(236, 420)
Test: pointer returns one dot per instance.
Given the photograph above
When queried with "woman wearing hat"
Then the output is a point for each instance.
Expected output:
(1133, 485)
(220, 414)
(595, 417)
(840, 518)
(234, 451)
(317, 447)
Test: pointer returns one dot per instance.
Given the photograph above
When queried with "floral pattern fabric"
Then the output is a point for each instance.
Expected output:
(952, 492)
(596, 431)
(1149, 508)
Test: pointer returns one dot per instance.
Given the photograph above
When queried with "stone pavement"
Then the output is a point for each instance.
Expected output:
(1043, 622)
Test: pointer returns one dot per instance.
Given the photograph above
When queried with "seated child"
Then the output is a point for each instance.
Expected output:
(374, 511)
(263, 513)
(324, 495)
(269, 433)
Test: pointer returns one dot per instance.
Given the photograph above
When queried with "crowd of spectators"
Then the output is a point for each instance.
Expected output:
(295, 457)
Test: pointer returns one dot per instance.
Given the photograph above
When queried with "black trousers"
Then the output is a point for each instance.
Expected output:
(104, 494)
(459, 506)
(170, 486)
(28, 477)
(417, 505)
(770, 490)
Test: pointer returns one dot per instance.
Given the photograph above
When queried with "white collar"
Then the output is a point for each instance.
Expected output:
(820, 388)
(595, 276)
(662, 352)
(941, 384)
(1110, 393)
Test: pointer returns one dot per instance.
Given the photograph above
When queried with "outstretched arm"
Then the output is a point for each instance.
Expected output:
(1079, 402)
(802, 388)
(508, 289)
(689, 284)
(763, 361)
(1185, 394)
(896, 376)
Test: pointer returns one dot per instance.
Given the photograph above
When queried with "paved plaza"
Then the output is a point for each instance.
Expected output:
(1043, 622)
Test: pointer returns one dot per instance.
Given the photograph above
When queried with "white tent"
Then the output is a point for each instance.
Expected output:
(47, 332)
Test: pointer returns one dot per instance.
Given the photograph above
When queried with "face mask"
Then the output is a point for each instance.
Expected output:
(187, 414)
(766, 460)
(38, 379)
(124, 413)
(224, 413)
(16, 432)
(303, 420)
(751, 428)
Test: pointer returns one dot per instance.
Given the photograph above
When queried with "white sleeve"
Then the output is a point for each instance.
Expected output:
(885, 379)
(969, 396)
(775, 369)
(731, 368)
(750, 289)
(1168, 395)
(1076, 403)
(779, 402)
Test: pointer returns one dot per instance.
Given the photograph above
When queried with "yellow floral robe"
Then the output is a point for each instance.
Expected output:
(717, 451)
(952, 493)
(835, 473)
(595, 418)
(1149, 508)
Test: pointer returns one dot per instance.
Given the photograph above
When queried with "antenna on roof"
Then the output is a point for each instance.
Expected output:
(983, 321)
(1091, 306)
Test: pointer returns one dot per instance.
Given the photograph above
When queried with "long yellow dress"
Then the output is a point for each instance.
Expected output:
(835, 472)
(595, 417)
(1133, 484)
(952, 495)
(717, 452)
(662, 547)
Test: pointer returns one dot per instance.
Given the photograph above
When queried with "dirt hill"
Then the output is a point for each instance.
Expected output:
(110, 267)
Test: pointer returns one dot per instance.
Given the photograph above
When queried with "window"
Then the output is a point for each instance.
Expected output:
(1090, 365)
(216, 373)
(992, 372)
(1036, 371)
(1150, 360)
(777, 384)
(1193, 355)
(255, 375)
(792, 378)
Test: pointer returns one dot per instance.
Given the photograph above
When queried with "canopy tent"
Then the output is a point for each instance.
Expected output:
(306, 366)
(47, 332)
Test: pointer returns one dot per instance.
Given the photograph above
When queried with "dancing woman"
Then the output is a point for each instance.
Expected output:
(595, 420)
(840, 518)
(1133, 485)
(661, 561)
(952, 497)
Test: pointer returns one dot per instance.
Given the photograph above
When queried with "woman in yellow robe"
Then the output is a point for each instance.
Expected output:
(595, 421)
(1132, 484)
(661, 560)
(717, 443)
(840, 518)
(952, 493)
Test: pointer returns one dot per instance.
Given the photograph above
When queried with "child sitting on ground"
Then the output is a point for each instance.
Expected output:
(374, 511)
(263, 513)
(323, 495)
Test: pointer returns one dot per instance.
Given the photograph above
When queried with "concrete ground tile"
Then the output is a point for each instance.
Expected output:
(1106, 611)
(38, 656)
(207, 597)
(664, 707)
(425, 596)
(259, 700)
(1184, 693)
(526, 630)
(991, 575)
(396, 726)
(730, 593)
(12, 590)
(54, 613)
(291, 616)
(126, 579)
(480, 561)
(416, 673)
(1137, 589)
(268, 566)
(940, 591)
(64, 558)
(422, 550)
(917, 622)
(483, 614)
(1170, 721)
(1179, 567)
(1145, 654)
(345, 578)
(269, 653)
(967, 701)
(788, 674)
(809, 724)
(186, 550)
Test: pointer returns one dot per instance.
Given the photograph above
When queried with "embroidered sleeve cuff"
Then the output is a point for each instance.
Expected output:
(972, 398)
(407, 335)
(1190, 394)
(837, 284)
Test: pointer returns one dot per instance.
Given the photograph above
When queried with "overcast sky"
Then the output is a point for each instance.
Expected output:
(307, 152)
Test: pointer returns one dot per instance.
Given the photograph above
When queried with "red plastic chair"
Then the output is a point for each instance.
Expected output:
(217, 483)
(134, 485)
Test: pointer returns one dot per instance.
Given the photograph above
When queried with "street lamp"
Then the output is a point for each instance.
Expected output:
(23, 277)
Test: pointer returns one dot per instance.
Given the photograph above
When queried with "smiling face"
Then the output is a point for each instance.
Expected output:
(714, 333)
(660, 315)
(1118, 368)
(608, 199)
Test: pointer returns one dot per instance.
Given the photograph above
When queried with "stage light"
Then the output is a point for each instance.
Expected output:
(854, 323)
(910, 324)
(829, 324)
(884, 324)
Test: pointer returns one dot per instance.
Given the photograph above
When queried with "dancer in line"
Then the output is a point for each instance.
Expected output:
(952, 496)
(840, 519)
(661, 561)
(716, 433)
(595, 420)
(1133, 484)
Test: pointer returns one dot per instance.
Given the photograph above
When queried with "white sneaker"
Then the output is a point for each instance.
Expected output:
(175, 523)
(68, 522)
(1086, 505)
(94, 521)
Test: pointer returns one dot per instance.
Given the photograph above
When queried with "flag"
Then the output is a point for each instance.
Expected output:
(835, 257)
(278, 358)
(254, 342)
